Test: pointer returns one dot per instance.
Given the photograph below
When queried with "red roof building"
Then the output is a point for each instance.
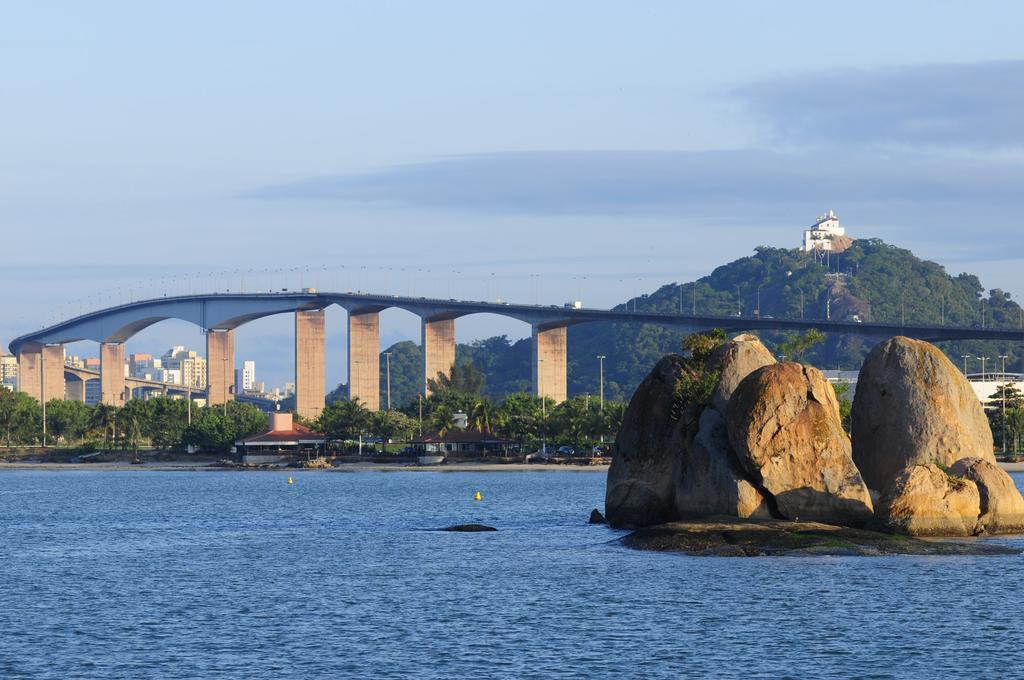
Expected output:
(284, 436)
(457, 440)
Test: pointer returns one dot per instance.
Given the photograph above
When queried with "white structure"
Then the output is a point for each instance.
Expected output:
(985, 386)
(819, 236)
(248, 376)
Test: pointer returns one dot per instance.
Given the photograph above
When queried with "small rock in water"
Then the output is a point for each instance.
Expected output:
(596, 517)
(469, 527)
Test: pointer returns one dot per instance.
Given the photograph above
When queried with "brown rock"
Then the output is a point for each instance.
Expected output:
(913, 406)
(640, 491)
(925, 501)
(735, 360)
(783, 423)
(1002, 507)
(708, 478)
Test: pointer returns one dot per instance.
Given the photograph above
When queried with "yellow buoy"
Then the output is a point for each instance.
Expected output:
(291, 481)
(477, 496)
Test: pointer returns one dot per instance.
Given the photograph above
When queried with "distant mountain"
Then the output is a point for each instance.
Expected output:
(872, 280)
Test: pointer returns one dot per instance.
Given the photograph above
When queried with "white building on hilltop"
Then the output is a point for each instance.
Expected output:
(820, 235)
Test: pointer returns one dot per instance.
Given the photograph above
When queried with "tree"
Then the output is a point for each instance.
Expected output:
(845, 406)
(483, 416)
(1013, 399)
(130, 420)
(462, 378)
(211, 431)
(800, 344)
(67, 420)
(246, 419)
(20, 416)
(104, 419)
(389, 425)
(520, 417)
(168, 419)
(1015, 425)
(571, 421)
(344, 420)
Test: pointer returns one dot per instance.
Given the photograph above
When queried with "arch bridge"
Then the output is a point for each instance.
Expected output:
(41, 355)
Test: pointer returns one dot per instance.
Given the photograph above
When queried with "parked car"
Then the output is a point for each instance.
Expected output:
(565, 451)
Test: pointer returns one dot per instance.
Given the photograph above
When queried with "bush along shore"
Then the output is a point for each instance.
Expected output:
(727, 451)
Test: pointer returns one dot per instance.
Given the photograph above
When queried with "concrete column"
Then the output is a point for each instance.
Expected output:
(549, 359)
(75, 390)
(112, 382)
(53, 372)
(310, 365)
(220, 367)
(438, 345)
(364, 358)
(30, 379)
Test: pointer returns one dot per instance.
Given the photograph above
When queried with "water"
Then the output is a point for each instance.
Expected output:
(207, 574)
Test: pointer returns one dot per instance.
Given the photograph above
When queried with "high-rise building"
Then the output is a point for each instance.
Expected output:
(190, 366)
(248, 375)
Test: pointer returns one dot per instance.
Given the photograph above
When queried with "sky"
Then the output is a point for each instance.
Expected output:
(528, 151)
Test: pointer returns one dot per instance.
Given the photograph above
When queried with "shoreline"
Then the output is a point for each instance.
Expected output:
(212, 466)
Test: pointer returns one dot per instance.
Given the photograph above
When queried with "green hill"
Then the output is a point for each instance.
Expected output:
(872, 280)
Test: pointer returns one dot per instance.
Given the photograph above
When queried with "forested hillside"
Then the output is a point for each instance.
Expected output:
(873, 281)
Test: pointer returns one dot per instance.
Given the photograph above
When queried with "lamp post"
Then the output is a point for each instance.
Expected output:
(759, 300)
(224, 383)
(965, 357)
(983, 360)
(543, 408)
(1002, 373)
(387, 359)
(600, 359)
(42, 393)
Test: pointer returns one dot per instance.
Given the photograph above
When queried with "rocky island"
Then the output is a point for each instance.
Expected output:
(728, 452)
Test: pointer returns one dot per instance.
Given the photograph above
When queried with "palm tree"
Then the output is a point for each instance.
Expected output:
(104, 417)
(482, 415)
(1015, 423)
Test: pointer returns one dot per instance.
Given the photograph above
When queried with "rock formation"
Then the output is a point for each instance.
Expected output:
(734, 361)
(925, 501)
(783, 423)
(708, 478)
(913, 406)
(1002, 507)
(640, 490)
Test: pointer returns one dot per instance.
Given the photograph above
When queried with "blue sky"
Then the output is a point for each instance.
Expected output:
(580, 148)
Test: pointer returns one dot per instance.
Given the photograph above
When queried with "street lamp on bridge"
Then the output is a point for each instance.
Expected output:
(387, 360)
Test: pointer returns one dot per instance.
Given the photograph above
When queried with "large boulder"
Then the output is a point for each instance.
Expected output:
(913, 406)
(783, 423)
(1002, 507)
(923, 500)
(708, 479)
(735, 360)
(640, 491)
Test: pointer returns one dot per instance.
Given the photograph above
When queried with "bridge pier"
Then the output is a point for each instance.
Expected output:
(75, 390)
(438, 345)
(112, 381)
(364, 358)
(41, 374)
(549, 363)
(310, 366)
(220, 367)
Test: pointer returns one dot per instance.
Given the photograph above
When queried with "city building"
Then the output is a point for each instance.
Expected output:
(190, 367)
(248, 376)
(826, 234)
(9, 371)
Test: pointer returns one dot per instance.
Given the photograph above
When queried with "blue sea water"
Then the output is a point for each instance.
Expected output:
(224, 574)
